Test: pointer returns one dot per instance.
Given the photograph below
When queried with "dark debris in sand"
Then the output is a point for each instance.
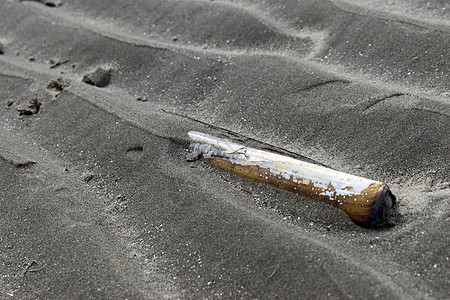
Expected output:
(33, 107)
(58, 84)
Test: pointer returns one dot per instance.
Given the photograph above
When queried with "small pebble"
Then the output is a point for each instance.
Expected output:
(141, 99)
(88, 177)
(99, 77)
(52, 3)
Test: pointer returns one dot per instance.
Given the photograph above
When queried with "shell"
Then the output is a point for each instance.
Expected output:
(363, 200)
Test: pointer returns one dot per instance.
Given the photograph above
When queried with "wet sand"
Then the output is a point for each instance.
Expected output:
(98, 200)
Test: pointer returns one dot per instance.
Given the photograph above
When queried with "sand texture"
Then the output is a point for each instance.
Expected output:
(98, 199)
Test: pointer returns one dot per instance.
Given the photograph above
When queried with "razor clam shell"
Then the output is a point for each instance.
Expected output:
(361, 198)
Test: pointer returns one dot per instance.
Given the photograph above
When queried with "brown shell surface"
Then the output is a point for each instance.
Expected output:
(363, 208)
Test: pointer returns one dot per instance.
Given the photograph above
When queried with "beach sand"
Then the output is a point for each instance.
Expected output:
(98, 200)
